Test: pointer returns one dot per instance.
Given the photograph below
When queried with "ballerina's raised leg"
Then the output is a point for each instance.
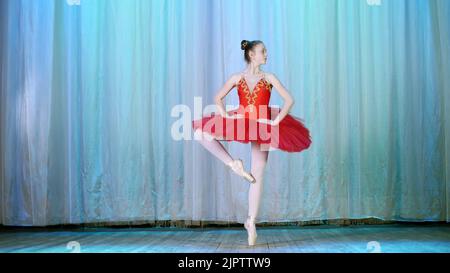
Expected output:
(216, 148)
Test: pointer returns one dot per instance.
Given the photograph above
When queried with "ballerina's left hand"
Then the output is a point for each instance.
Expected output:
(268, 121)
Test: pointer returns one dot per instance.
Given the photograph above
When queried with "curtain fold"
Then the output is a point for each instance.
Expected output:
(92, 96)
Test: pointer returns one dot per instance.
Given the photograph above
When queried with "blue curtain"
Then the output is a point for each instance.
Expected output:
(91, 96)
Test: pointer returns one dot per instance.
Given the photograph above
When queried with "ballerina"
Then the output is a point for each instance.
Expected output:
(265, 127)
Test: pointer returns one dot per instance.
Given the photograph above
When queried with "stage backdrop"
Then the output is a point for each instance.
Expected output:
(87, 93)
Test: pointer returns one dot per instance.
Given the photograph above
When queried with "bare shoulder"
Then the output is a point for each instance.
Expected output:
(235, 77)
(270, 77)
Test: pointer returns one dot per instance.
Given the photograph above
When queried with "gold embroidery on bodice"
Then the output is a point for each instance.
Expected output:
(252, 95)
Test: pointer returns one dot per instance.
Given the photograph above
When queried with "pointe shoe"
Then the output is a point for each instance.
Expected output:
(251, 230)
(238, 167)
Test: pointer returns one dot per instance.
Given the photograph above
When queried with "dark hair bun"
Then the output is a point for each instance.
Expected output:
(244, 44)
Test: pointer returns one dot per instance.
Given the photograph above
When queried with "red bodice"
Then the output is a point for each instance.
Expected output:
(254, 103)
(289, 135)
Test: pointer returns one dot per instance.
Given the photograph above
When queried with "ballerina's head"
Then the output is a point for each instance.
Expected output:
(254, 52)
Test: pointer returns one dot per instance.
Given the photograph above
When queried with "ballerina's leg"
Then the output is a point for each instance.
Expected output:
(214, 146)
(259, 160)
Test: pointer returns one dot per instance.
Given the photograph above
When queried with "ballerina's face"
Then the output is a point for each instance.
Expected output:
(259, 54)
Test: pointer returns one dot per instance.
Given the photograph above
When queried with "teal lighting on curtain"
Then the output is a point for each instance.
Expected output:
(87, 92)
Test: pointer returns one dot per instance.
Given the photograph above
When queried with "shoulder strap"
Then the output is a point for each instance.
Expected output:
(241, 75)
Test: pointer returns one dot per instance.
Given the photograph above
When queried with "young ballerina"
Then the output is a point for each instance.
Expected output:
(265, 127)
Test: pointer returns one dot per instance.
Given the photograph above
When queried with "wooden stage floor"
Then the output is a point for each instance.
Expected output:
(390, 238)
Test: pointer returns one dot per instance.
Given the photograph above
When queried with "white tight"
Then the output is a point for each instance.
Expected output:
(259, 160)
(214, 146)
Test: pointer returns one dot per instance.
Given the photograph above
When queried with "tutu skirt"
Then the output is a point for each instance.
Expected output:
(290, 135)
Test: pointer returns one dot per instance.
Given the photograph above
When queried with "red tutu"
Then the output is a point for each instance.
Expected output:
(289, 135)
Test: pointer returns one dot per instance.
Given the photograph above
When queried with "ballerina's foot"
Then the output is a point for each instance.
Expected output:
(238, 167)
(251, 231)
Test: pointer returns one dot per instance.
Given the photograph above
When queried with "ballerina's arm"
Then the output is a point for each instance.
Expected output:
(288, 100)
(223, 91)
